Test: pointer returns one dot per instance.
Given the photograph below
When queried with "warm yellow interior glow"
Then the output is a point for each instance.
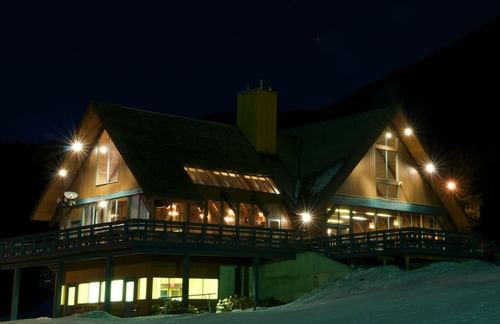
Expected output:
(142, 286)
(94, 292)
(63, 294)
(129, 291)
(408, 131)
(71, 296)
(83, 293)
(116, 290)
(62, 173)
(102, 204)
(103, 291)
(167, 287)
(200, 288)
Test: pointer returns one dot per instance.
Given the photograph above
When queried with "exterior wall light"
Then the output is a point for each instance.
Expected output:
(451, 185)
(430, 168)
(388, 135)
(62, 173)
(306, 217)
(76, 146)
(408, 131)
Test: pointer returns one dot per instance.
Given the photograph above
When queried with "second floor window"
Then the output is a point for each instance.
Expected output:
(386, 165)
(108, 161)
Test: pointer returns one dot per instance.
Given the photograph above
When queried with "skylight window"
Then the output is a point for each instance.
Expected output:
(230, 179)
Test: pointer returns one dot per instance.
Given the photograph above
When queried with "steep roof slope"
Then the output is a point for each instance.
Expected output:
(324, 144)
(156, 147)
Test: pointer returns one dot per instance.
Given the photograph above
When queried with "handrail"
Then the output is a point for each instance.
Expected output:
(141, 230)
(398, 241)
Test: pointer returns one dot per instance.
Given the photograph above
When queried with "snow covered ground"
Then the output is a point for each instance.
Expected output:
(466, 292)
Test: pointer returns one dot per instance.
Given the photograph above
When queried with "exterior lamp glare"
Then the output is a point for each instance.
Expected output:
(62, 173)
(388, 135)
(408, 131)
(451, 185)
(76, 146)
(430, 168)
(103, 149)
(306, 217)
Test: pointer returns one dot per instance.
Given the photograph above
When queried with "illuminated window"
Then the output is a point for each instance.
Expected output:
(129, 291)
(386, 166)
(63, 294)
(93, 292)
(71, 296)
(167, 287)
(103, 291)
(116, 290)
(83, 293)
(142, 286)
(228, 179)
(108, 161)
(203, 288)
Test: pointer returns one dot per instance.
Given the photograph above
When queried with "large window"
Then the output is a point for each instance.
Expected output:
(199, 288)
(229, 179)
(386, 165)
(108, 161)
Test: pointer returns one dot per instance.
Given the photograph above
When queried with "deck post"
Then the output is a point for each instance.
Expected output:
(185, 281)
(407, 262)
(108, 276)
(56, 310)
(15, 294)
(255, 282)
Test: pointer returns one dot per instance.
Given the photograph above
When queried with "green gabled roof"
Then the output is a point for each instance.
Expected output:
(312, 149)
(156, 147)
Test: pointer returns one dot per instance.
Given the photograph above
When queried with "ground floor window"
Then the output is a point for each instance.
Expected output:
(199, 288)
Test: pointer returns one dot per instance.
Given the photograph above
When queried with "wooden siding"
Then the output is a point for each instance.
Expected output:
(414, 189)
(85, 182)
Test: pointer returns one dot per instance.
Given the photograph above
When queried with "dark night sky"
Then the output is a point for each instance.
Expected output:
(191, 59)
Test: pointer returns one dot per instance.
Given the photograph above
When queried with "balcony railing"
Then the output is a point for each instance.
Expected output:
(417, 241)
(151, 233)
(178, 237)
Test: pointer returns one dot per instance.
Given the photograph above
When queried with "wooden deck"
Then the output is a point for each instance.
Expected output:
(177, 238)
(150, 236)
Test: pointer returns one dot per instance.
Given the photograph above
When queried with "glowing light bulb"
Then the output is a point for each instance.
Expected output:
(408, 131)
(62, 173)
(388, 135)
(306, 217)
(430, 168)
(103, 149)
(76, 146)
(451, 185)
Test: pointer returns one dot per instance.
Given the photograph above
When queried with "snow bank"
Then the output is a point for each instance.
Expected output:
(440, 293)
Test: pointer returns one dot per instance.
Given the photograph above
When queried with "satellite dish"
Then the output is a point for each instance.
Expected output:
(70, 195)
